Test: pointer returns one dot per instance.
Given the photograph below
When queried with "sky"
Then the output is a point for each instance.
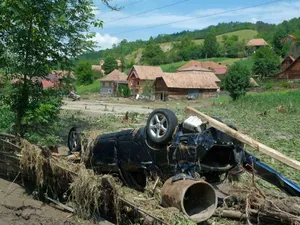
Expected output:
(133, 21)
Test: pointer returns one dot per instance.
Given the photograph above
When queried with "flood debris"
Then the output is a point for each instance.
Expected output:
(164, 173)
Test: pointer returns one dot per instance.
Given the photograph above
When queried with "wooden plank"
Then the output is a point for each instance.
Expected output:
(246, 139)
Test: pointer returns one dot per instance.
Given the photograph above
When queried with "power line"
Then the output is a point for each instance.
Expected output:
(132, 3)
(198, 17)
(165, 6)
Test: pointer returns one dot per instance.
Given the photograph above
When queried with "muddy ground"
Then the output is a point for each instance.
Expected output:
(18, 208)
(94, 107)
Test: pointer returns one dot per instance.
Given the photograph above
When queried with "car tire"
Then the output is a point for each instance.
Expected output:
(74, 140)
(160, 127)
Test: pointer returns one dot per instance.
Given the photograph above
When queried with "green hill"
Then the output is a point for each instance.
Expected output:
(245, 35)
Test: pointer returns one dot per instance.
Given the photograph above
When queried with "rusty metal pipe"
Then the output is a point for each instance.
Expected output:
(196, 199)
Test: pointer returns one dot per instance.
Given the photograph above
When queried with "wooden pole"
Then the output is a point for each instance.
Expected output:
(245, 139)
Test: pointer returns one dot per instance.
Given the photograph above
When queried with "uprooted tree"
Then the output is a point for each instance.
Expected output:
(36, 37)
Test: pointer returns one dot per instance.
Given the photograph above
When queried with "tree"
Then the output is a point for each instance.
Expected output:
(266, 62)
(123, 64)
(36, 36)
(278, 46)
(153, 55)
(188, 50)
(110, 64)
(84, 73)
(211, 46)
(237, 80)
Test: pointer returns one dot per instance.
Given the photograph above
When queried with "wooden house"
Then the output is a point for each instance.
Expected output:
(140, 76)
(111, 83)
(292, 72)
(190, 84)
(286, 62)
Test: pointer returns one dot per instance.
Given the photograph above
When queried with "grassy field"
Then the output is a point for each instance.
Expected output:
(242, 35)
(271, 118)
(91, 88)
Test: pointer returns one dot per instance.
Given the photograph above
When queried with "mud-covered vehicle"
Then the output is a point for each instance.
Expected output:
(191, 149)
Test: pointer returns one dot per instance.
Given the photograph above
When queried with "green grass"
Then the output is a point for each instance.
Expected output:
(91, 88)
(246, 35)
(272, 118)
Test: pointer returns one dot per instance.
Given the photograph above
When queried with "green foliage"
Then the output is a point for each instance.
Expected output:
(123, 64)
(84, 73)
(148, 89)
(188, 50)
(153, 55)
(277, 45)
(6, 119)
(126, 91)
(97, 74)
(210, 46)
(237, 80)
(110, 64)
(266, 62)
(87, 89)
(36, 37)
(232, 47)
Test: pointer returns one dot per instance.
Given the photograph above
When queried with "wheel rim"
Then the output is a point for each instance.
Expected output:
(158, 125)
(73, 142)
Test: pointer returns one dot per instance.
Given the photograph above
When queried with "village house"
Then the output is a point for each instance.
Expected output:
(256, 43)
(140, 76)
(218, 69)
(288, 39)
(286, 62)
(253, 45)
(111, 83)
(190, 84)
(54, 79)
(292, 72)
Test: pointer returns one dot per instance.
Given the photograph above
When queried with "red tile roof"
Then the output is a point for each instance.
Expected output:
(217, 68)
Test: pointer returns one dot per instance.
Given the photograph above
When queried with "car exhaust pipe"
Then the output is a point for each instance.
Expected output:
(196, 199)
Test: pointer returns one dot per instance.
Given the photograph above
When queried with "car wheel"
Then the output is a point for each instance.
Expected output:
(74, 140)
(160, 126)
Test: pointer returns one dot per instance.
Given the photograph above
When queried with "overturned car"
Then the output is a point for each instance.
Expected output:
(191, 150)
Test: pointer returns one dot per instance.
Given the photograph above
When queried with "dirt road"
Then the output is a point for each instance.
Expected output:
(17, 208)
(94, 107)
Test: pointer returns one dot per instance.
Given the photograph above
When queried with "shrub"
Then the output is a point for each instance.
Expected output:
(237, 80)
(84, 73)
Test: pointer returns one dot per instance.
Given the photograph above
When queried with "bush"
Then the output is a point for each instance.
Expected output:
(124, 91)
(237, 80)
(84, 73)
(266, 62)
(97, 74)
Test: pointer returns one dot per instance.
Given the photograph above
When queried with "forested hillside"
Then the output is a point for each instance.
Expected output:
(222, 40)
